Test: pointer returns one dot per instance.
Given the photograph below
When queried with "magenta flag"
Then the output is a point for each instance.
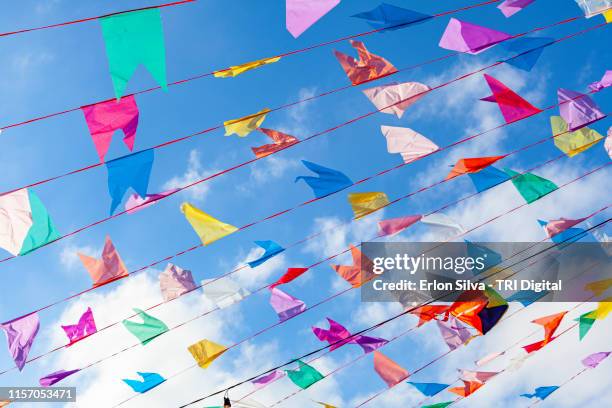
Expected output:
(175, 281)
(104, 118)
(285, 305)
(470, 38)
(55, 377)
(511, 105)
(394, 226)
(20, 334)
(85, 327)
(594, 359)
(136, 203)
(266, 379)
(339, 335)
(577, 109)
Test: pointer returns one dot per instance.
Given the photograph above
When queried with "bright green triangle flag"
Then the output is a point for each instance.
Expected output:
(585, 324)
(530, 186)
(438, 405)
(148, 329)
(132, 39)
(304, 376)
(42, 230)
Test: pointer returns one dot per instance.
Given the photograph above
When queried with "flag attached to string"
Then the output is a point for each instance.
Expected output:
(271, 249)
(328, 182)
(468, 388)
(593, 360)
(337, 336)
(359, 272)
(454, 333)
(281, 141)
(149, 381)
(204, 352)
(148, 330)
(488, 178)
(84, 328)
(245, 125)
(223, 292)
(408, 143)
(175, 281)
(236, 70)
(363, 204)
(530, 186)
(442, 224)
(304, 376)
(390, 372)
(285, 305)
(572, 143)
(387, 17)
(132, 39)
(550, 324)
(511, 7)
(301, 14)
(511, 105)
(55, 377)
(528, 51)
(395, 98)
(108, 268)
(266, 379)
(604, 82)
(290, 275)
(133, 171)
(208, 228)
(429, 389)
(394, 226)
(368, 67)
(20, 334)
(578, 110)
(472, 165)
(542, 392)
(136, 203)
(470, 38)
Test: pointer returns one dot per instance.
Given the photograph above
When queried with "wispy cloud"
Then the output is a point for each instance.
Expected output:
(193, 173)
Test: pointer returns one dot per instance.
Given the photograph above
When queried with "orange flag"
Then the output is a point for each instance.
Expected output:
(356, 274)
(472, 165)
(428, 313)
(468, 306)
(367, 68)
(389, 370)
(550, 324)
(281, 141)
(109, 268)
(469, 387)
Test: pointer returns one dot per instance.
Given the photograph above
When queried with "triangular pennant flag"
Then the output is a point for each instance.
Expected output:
(337, 336)
(328, 182)
(472, 165)
(133, 171)
(478, 376)
(20, 334)
(367, 203)
(394, 226)
(470, 38)
(301, 14)
(208, 228)
(550, 325)
(511, 7)
(266, 379)
(271, 249)
(236, 70)
(390, 372)
(290, 275)
(104, 118)
(410, 144)
(358, 273)
(593, 360)
(528, 51)
(578, 110)
(223, 292)
(605, 82)
(454, 333)
(136, 203)
(175, 281)
(245, 125)
(304, 376)
(439, 405)
(387, 17)
(603, 309)
(369, 67)
(428, 313)
(468, 388)
(429, 389)
(565, 237)
(281, 141)
(530, 186)
(55, 377)
(204, 352)
(443, 223)
(585, 323)
(554, 227)
(511, 105)
(542, 392)
(85, 327)
(107, 269)
(132, 39)
(572, 143)
(149, 381)
(395, 98)
(146, 331)
(285, 305)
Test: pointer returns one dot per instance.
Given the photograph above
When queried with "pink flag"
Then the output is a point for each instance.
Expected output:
(470, 38)
(20, 334)
(175, 281)
(453, 332)
(389, 370)
(488, 358)
(578, 110)
(285, 305)
(104, 118)
(608, 142)
(301, 14)
(396, 225)
(281, 141)
(395, 98)
(605, 82)
(594, 359)
(369, 66)
(410, 144)
(107, 269)
(266, 379)
(512, 106)
(85, 327)
(55, 377)
(511, 7)
(479, 376)
(555, 227)
(136, 203)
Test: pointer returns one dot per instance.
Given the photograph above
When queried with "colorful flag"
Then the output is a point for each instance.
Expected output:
(387, 17)
(337, 336)
(511, 105)
(55, 377)
(236, 70)
(488, 178)
(453, 332)
(578, 110)
(408, 143)
(175, 281)
(281, 141)
(394, 226)
(572, 143)
(290, 275)
(108, 268)
(367, 203)
(304, 376)
(472, 165)
(133, 171)
(369, 67)
(301, 14)
(245, 125)
(146, 331)
(266, 379)
(223, 292)
(285, 305)
(511, 7)
(488, 358)
(390, 372)
(550, 324)
(528, 51)
(468, 388)
(85, 327)
(329, 181)
(149, 380)
(358, 273)
(204, 352)
(541, 392)
(20, 334)
(395, 98)
(429, 389)
(470, 38)
(209, 229)
(271, 249)
(136, 203)
(593, 360)
(530, 186)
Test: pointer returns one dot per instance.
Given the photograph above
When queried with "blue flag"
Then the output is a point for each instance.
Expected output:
(328, 182)
(527, 59)
(491, 258)
(388, 17)
(526, 297)
(487, 178)
(271, 250)
(429, 389)
(133, 171)
(542, 392)
(149, 380)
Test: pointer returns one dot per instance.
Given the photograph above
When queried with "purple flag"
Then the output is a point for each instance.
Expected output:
(266, 379)
(20, 334)
(285, 305)
(454, 333)
(511, 7)
(470, 38)
(339, 335)
(577, 110)
(175, 281)
(369, 344)
(85, 327)
(55, 377)
(594, 359)
(605, 82)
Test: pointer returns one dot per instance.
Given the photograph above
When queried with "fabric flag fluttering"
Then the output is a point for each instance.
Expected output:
(429, 389)
(488, 358)
(394, 226)
(204, 352)
(246, 124)
(148, 330)
(25, 224)
(55, 377)
(443, 223)
(328, 182)
(395, 98)
(594, 7)
(266, 379)
(454, 333)
(285, 305)
(470, 38)
(578, 110)
(304, 376)
(104, 118)
(471, 165)
(290, 275)
(585, 323)
(85, 327)
(555, 227)
(108, 268)
(541, 392)
(511, 7)
(605, 82)
(236, 70)
(369, 67)
(133, 171)
(530, 186)
(408, 143)
(387, 17)
(149, 381)
(528, 51)
(132, 39)
(512, 106)
(367, 203)
(488, 178)
(223, 292)
(572, 143)
(479, 376)
(271, 249)
(208, 228)
(439, 405)
(175, 281)
(136, 203)
(593, 360)
(281, 141)
(390, 372)
(356, 274)
(20, 334)
(301, 14)
(337, 336)
(428, 313)
(468, 388)
(550, 325)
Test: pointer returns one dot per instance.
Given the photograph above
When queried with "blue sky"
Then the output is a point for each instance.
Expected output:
(51, 70)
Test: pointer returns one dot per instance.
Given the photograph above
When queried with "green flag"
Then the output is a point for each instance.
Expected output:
(132, 39)
(42, 230)
(148, 329)
(530, 186)
(585, 324)
(438, 405)
(304, 376)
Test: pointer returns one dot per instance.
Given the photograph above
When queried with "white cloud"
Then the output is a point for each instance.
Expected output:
(269, 169)
(299, 116)
(193, 173)
(69, 257)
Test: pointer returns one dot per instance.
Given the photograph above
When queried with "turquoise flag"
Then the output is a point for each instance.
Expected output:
(42, 230)
(530, 186)
(148, 329)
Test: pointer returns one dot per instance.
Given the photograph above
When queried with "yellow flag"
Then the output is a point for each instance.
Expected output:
(608, 16)
(599, 287)
(204, 352)
(245, 125)
(603, 309)
(208, 228)
(572, 143)
(366, 203)
(239, 69)
(325, 405)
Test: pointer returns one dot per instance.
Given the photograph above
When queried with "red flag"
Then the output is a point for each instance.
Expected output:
(290, 275)
(472, 165)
